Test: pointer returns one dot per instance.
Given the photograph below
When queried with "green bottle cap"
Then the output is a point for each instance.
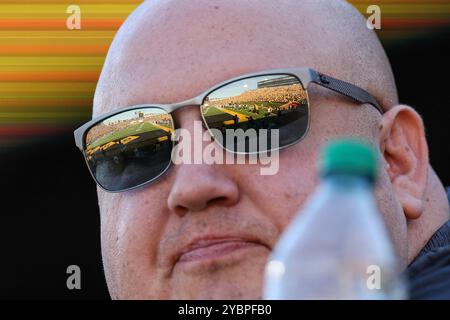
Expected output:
(349, 156)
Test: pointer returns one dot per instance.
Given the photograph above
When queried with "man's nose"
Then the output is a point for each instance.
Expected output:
(197, 186)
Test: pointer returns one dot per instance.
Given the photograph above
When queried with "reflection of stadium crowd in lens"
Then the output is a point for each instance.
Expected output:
(276, 95)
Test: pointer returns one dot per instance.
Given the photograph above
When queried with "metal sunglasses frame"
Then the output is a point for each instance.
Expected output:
(305, 75)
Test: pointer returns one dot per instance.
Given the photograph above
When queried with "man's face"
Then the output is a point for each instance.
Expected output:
(206, 231)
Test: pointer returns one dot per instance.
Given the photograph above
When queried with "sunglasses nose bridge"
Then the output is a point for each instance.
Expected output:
(196, 101)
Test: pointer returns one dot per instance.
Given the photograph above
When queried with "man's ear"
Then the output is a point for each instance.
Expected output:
(405, 150)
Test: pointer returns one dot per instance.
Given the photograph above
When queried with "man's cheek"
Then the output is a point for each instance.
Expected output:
(114, 243)
(108, 259)
(291, 187)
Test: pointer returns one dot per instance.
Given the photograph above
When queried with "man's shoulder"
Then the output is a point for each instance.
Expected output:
(429, 273)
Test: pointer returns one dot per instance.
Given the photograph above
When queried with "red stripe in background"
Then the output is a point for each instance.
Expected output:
(30, 131)
(391, 23)
(49, 76)
(39, 50)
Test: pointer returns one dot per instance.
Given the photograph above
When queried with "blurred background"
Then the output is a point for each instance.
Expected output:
(49, 214)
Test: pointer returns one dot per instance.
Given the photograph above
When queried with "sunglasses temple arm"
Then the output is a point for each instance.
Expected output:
(345, 88)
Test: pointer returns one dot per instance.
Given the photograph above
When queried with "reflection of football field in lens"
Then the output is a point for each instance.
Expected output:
(132, 130)
(165, 128)
(216, 117)
(226, 116)
(240, 113)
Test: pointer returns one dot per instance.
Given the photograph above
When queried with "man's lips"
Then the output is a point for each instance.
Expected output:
(209, 249)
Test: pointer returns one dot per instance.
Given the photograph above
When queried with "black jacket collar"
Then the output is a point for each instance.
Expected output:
(429, 273)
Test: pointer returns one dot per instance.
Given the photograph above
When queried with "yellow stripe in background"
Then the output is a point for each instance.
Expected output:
(49, 11)
(48, 73)
(51, 61)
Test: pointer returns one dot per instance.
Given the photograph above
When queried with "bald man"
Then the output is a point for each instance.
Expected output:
(170, 51)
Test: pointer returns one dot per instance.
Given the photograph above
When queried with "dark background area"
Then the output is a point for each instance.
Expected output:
(49, 208)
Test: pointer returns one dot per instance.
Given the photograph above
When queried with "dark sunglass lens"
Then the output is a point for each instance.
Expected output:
(129, 148)
(270, 102)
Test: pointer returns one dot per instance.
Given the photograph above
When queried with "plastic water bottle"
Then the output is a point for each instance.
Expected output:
(338, 246)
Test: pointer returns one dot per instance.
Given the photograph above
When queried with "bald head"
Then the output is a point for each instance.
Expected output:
(170, 42)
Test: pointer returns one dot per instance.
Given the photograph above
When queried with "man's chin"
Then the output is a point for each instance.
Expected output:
(238, 277)
(224, 289)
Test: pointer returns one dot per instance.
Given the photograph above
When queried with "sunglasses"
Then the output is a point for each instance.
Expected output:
(130, 147)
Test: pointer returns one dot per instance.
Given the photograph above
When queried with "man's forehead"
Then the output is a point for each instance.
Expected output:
(171, 51)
